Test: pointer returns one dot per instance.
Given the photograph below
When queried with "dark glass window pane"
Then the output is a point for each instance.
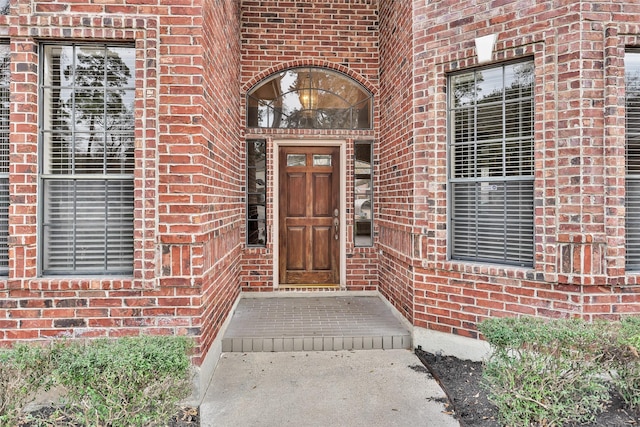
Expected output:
(518, 80)
(321, 160)
(296, 160)
(489, 85)
(518, 118)
(363, 190)
(463, 90)
(632, 79)
(256, 193)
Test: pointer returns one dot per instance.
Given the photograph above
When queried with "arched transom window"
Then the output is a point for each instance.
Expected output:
(309, 98)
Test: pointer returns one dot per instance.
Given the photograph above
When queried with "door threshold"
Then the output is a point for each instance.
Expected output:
(302, 286)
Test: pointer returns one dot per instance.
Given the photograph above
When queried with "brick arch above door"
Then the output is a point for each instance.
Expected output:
(366, 83)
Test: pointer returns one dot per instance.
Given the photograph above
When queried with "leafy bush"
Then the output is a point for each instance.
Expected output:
(545, 372)
(624, 361)
(24, 370)
(133, 381)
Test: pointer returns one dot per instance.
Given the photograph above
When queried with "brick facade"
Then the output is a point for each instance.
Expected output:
(188, 202)
(397, 159)
(196, 61)
(578, 49)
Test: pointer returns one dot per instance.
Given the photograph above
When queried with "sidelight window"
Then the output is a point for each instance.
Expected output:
(363, 194)
(256, 192)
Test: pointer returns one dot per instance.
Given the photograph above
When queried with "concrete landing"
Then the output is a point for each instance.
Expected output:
(310, 323)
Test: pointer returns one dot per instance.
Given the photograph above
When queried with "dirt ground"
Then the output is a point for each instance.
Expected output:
(461, 381)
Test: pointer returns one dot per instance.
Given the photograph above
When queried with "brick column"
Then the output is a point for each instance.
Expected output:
(581, 237)
(23, 164)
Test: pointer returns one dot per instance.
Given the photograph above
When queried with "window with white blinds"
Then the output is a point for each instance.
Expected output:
(491, 165)
(5, 78)
(87, 163)
(632, 84)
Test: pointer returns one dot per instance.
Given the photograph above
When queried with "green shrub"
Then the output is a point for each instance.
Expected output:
(135, 381)
(624, 361)
(545, 372)
(24, 370)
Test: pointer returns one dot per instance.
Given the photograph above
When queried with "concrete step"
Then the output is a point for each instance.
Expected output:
(312, 323)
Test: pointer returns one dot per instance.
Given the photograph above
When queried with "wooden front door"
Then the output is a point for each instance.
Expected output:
(309, 252)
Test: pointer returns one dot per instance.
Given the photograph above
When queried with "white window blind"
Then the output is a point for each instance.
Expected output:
(87, 131)
(491, 165)
(632, 84)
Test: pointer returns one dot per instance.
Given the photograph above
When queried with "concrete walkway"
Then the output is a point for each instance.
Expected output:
(317, 360)
(324, 388)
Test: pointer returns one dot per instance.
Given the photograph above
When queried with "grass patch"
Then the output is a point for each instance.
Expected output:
(132, 381)
(24, 371)
(624, 361)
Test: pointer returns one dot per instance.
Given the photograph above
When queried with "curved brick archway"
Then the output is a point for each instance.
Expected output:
(310, 63)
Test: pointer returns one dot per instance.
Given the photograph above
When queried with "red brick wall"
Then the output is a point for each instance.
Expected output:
(280, 32)
(188, 177)
(396, 185)
(195, 63)
(39, 307)
(577, 48)
(341, 35)
(221, 197)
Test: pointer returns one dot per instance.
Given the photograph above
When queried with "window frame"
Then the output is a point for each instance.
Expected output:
(77, 178)
(478, 178)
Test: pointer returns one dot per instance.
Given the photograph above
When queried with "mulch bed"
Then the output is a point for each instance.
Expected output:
(461, 381)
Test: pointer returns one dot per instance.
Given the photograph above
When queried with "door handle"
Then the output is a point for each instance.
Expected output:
(336, 225)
